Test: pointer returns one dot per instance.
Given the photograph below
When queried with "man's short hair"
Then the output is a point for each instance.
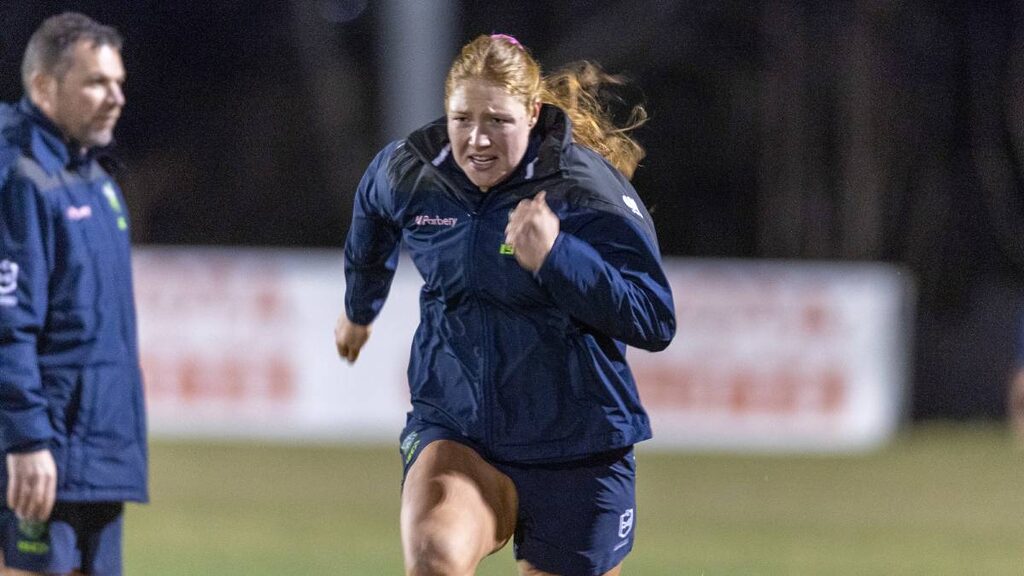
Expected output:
(49, 48)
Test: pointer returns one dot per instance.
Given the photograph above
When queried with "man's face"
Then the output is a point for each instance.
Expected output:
(489, 130)
(86, 101)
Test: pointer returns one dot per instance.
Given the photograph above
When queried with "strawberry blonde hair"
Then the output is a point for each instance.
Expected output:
(576, 89)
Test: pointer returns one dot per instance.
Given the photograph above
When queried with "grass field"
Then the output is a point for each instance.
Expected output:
(942, 499)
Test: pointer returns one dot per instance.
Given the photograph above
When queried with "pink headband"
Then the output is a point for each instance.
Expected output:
(510, 39)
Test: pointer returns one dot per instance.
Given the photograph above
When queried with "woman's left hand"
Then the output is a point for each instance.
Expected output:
(350, 337)
(531, 231)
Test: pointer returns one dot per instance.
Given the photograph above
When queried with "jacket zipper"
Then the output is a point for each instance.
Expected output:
(485, 333)
(492, 201)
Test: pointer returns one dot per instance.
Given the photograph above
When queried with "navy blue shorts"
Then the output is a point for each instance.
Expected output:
(575, 518)
(82, 536)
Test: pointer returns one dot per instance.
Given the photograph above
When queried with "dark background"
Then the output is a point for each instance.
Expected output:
(845, 130)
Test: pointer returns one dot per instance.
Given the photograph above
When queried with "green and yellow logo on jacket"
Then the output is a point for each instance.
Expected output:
(115, 205)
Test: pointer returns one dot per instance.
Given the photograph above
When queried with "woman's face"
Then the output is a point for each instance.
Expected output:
(489, 130)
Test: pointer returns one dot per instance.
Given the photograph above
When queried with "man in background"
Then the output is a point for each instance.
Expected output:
(72, 422)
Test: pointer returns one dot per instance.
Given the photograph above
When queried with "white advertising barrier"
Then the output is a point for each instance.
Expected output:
(780, 356)
(768, 355)
(240, 343)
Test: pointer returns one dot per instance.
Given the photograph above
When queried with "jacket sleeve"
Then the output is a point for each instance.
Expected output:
(607, 274)
(372, 245)
(26, 241)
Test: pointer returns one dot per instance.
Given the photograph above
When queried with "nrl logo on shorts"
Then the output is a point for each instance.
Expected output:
(8, 277)
(625, 523)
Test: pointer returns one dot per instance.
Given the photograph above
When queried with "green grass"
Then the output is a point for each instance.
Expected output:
(939, 500)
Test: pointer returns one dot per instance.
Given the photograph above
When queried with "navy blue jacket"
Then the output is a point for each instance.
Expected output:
(69, 364)
(8, 150)
(531, 367)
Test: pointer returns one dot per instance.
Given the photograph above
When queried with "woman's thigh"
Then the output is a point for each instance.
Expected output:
(454, 499)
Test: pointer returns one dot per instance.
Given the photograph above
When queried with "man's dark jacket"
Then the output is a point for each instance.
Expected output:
(69, 365)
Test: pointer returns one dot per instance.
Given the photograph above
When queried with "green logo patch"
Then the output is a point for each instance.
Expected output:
(33, 534)
(33, 547)
(506, 249)
(409, 446)
(108, 191)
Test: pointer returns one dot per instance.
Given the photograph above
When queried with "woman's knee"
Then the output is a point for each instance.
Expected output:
(437, 553)
(450, 537)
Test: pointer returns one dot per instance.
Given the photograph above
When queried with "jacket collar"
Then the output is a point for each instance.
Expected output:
(47, 143)
(556, 130)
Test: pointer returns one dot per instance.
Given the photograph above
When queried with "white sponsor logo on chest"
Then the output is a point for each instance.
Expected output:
(427, 220)
(75, 213)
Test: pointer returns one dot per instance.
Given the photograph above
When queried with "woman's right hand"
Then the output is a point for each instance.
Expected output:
(350, 337)
(31, 484)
